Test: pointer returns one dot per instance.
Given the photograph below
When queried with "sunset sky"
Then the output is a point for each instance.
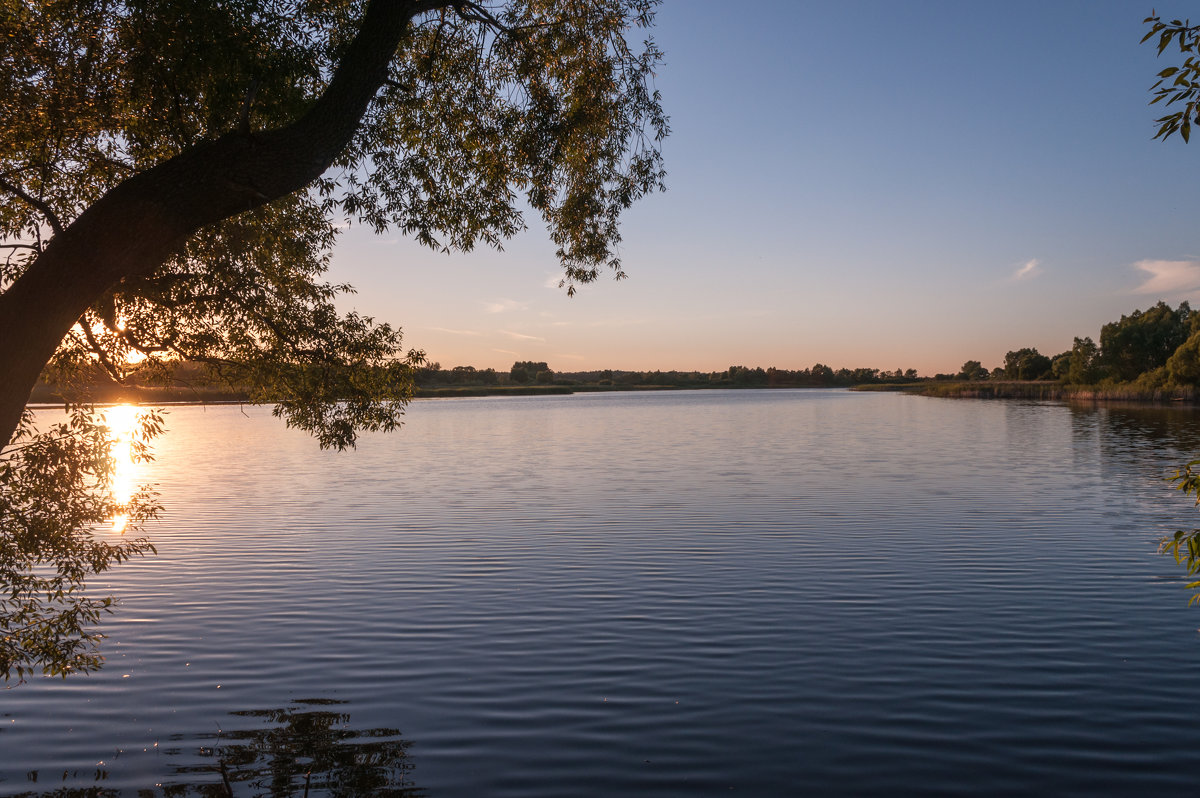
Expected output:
(873, 184)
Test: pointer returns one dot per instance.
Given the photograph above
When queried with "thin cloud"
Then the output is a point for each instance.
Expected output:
(506, 351)
(521, 336)
(1030, 268)
(620, 322)
(1168, 276)
(455, 332)
(502, 305)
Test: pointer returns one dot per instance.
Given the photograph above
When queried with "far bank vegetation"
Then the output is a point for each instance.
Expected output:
(194, 382)
(1148, 355)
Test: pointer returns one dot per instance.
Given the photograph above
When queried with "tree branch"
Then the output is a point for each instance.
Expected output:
(244, 120)
(138, 224)
(103, 357)
(36, 203)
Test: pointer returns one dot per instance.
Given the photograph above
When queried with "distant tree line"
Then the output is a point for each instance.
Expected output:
(184, 380)
(1150, 349)
(432, 375)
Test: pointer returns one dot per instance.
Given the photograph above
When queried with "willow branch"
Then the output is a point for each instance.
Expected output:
(36, 203)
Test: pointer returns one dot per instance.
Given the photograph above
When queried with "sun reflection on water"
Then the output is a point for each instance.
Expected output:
(122, 422)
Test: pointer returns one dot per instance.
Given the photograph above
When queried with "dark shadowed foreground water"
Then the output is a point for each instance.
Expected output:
(765, 593)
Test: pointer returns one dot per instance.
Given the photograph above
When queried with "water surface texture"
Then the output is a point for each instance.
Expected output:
(769, 593)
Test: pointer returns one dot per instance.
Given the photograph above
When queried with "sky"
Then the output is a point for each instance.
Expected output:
(860, 184)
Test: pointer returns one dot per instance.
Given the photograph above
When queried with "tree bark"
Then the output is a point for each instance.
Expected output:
(140, 223)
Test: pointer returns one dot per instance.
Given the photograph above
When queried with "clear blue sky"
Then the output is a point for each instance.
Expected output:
(875, 184)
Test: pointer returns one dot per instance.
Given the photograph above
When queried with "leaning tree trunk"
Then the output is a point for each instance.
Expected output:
(140, 223)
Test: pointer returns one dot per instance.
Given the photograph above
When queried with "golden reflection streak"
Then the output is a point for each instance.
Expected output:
(122, 421)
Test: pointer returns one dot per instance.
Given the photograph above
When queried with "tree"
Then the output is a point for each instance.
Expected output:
(1183, 367)
(172, 177)
(1083, 365)
(821, 374)
(1060, 366)
(1143, 340)
(524, 371)
(1026, 364)
(972, 370)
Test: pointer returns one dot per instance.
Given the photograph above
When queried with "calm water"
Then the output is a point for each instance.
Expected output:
(769, 593)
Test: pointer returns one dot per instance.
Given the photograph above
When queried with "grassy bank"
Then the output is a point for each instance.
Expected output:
(491, 390)
(116, 394)
(1043, 390)
(142, 395)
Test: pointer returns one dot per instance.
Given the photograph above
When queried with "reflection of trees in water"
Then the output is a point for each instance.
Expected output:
(299, 751)
(1156, 427)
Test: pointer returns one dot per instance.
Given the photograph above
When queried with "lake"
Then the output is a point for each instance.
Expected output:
(652, 594)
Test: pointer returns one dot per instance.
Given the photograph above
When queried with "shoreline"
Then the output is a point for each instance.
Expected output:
(190, 396)
(1042, 391)
(1051, 391)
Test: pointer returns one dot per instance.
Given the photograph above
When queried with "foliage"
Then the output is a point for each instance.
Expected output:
(1185, 546)
(57, 495)
(1183, 366)
(1177, 84)
(1083, 365)
(478, 112)
(524, 371)
(1144, 340)
(972, 370)
(482, 100)
(433, 376)
(1060, 366)
(1181, 84)
(1026, 364)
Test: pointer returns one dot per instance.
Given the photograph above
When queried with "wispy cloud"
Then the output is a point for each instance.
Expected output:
(506, 352)
(1166, 277)
(553, 280)
(455, 332)
(1030, 268)
(625, 322)
(502, 305)
(521, 336)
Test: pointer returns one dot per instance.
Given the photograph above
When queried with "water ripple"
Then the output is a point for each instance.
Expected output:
(655, 594)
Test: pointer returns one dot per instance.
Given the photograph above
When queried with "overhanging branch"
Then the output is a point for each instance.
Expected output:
(40, 206)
